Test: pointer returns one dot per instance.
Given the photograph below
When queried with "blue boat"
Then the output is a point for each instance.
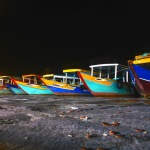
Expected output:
(140, 74)
(68, 84)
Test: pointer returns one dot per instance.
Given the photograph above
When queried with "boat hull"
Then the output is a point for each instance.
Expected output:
(140, 79)
(59, 88)
(75, 91)
(106, 87)
(15, 89)
(34, 89)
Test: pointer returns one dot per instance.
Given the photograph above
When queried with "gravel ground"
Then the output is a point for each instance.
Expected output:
(74, 123)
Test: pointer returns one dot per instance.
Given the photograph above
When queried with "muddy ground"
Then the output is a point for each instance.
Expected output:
(74, 123)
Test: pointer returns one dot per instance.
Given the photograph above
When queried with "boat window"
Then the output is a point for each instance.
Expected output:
(49, 78)
(112, 71)
(58, 79)
(7, 81)
(77, 81)
(31, 80)
(69, 81)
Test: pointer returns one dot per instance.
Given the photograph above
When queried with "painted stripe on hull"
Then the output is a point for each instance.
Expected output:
(101, 88)
(75, 91)
(105, 88)
(32, 90)
(142, 73)
(15, 89)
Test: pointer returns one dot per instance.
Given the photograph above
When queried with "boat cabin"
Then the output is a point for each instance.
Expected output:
(32, 79)
(113, 71)
(4, 80)
(63, 78)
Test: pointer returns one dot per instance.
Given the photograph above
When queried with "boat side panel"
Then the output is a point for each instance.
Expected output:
(33, 89)
(15, 89)
(105, 87)
(142, 73)
(65, 89)
(75, 90)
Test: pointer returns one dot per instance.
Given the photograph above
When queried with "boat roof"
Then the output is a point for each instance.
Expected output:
(97, 67)
(100, 65)
(71, 70)
(48, 75)
(141, 59)
(29, 75)
(74, 70)
(58, 76)
(108, 65)
(4, 76)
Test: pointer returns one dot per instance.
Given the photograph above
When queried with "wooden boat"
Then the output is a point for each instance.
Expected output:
(112, 80)
(140, 74)
(3, 88)
(32, 84)
(67, 84)
(14, 88)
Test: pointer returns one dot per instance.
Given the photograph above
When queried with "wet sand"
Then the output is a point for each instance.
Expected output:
(74, 123)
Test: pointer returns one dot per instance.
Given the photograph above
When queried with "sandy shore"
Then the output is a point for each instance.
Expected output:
(74, 123)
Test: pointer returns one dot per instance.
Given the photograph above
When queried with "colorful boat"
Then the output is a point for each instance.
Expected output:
(32, 84)
(67, 84)
(140, 74)
(112, 80)
(3, 88)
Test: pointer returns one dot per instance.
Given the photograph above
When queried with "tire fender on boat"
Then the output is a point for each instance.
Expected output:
(119, 83)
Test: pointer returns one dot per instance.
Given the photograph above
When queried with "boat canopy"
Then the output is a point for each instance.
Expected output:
(29, 75)
(61, 78)
(112, 70)
(74, 70)
(31, 79)
(73, 74)
(48, 75)
(4, 77)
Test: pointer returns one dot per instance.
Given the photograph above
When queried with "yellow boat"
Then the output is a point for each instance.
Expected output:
(67, 84)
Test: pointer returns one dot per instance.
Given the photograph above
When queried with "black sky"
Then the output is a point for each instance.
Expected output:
(40, 37)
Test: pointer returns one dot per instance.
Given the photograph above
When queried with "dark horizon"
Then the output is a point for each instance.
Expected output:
(38, 37)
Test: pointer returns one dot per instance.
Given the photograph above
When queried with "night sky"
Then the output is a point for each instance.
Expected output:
(39, 37)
